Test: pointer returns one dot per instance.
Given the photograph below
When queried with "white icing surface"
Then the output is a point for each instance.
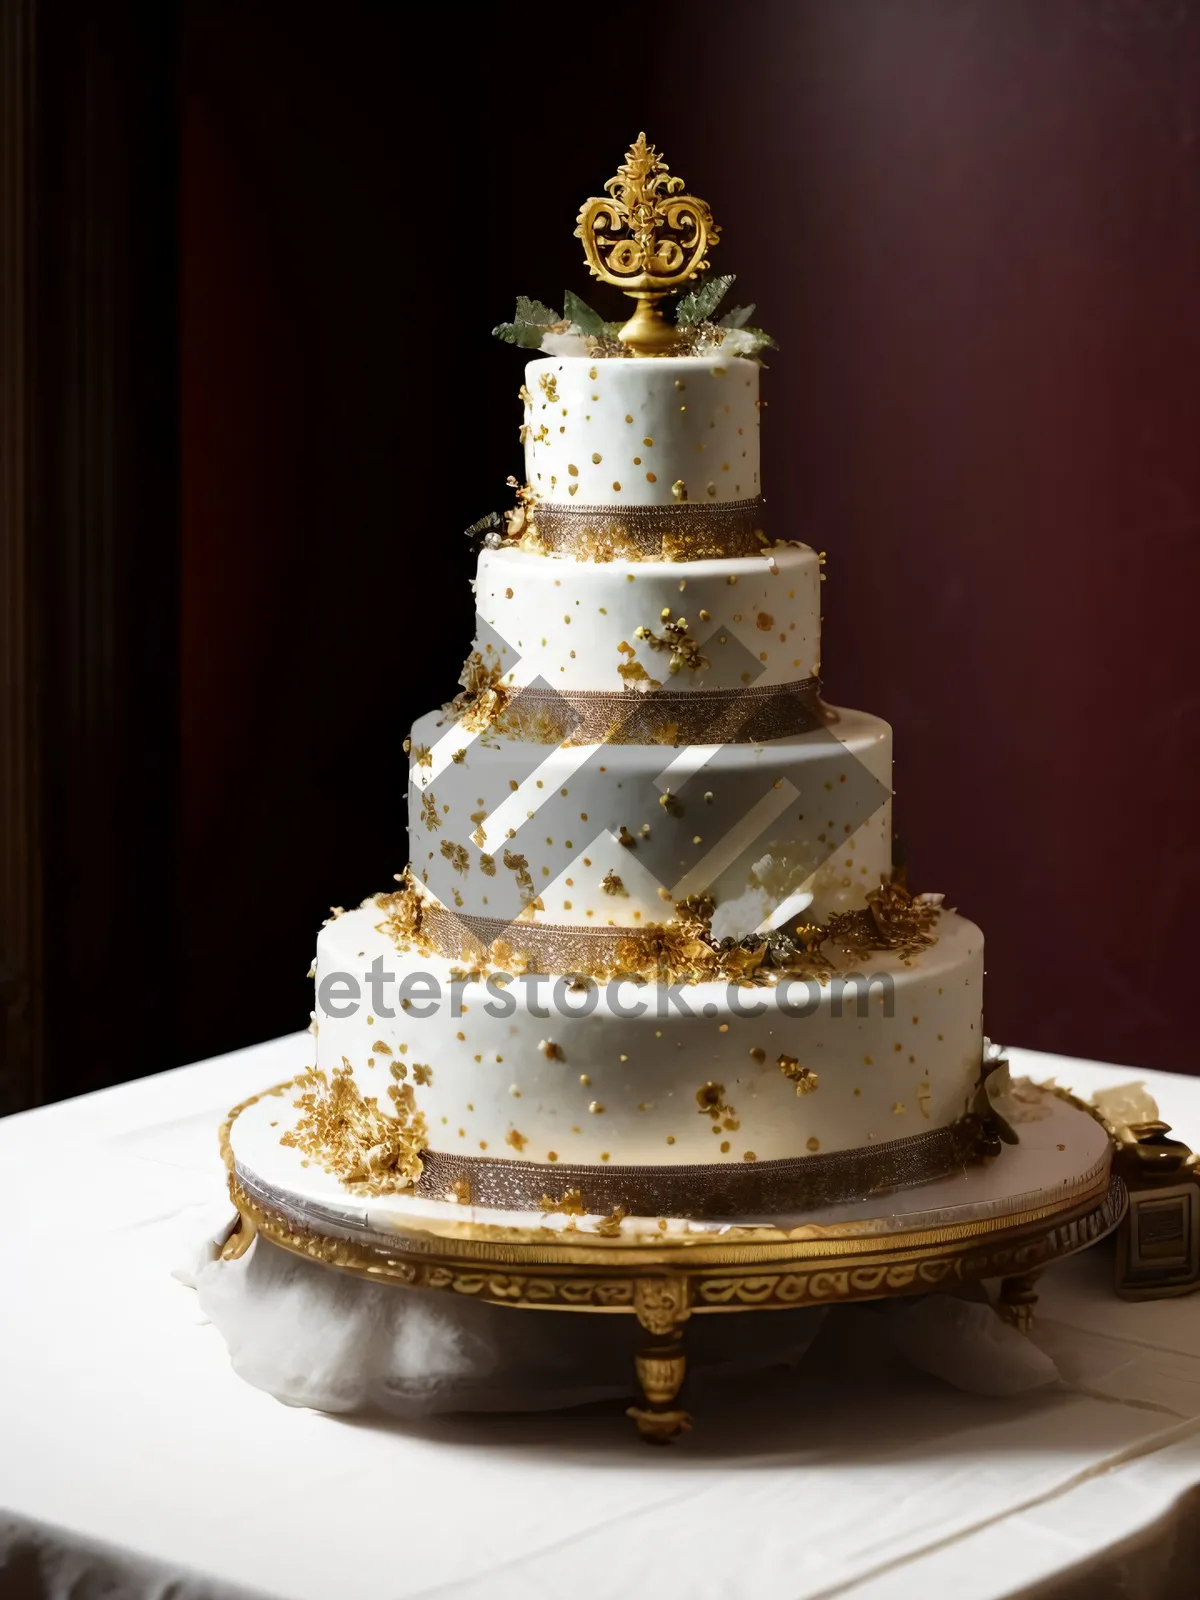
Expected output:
(623, 432)
(757, 619)
(812, 812)
(1065, 1152)
(624, 1087)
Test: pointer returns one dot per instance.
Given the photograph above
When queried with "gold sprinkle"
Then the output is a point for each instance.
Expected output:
(596, 458)
(804, 1078)
(517, 1140)
(551, 1051)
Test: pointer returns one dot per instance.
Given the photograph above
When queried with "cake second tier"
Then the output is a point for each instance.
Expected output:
(616, 625)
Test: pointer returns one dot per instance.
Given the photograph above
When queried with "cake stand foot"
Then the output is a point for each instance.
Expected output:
(1016, 1300)
(663, 1305)
(240, 1239)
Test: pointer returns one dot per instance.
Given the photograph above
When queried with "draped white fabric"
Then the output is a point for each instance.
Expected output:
(134, 1462)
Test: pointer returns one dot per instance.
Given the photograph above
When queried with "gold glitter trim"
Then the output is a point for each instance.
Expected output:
(681, 531)
(894, 920)
(727, 1189)
(483, 696)
(682, 950)
(347, 1135)
(749, 715)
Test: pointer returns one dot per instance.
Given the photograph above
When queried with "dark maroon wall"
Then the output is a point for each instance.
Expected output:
(974, 229)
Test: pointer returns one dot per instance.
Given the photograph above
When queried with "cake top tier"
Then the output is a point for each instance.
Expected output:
(652, 459)
(675, 431)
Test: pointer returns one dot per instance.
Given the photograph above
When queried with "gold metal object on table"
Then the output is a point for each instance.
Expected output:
(664, 1279)
(1158, 1243)
(647, 237)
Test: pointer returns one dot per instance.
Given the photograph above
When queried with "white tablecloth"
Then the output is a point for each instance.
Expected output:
(134, 1463)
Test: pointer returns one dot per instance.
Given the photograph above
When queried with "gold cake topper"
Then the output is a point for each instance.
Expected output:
(646, 236)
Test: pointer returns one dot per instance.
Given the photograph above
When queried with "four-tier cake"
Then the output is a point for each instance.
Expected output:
(650, 955)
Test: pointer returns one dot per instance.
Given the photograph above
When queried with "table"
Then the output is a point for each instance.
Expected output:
(134, 1463)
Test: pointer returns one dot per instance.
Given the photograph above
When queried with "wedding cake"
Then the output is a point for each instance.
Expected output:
(651, 954)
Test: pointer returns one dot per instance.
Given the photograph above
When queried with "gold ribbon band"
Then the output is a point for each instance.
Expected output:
(712, 1190)
(690, 531)
(535, 946)
(743, 715)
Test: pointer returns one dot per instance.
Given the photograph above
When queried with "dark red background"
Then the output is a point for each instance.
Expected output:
(974, 229)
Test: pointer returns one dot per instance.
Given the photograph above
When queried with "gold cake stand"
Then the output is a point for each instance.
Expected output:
(953, 1233)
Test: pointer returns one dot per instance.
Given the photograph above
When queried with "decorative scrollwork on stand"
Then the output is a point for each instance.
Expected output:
(662, 1304)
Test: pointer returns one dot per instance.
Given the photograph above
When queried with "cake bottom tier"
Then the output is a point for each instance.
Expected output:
(864, 1077)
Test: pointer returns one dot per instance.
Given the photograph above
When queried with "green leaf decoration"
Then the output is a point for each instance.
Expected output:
(529, 323)
(534, 311)
(738, 317)
(522, 333)
(702, 302)
(581, 314)
(762, 341)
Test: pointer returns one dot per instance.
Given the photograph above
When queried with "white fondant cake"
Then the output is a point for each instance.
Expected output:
(755, 619)
(537, 1071)
(624, 433)
(753, 823)
(650, 933)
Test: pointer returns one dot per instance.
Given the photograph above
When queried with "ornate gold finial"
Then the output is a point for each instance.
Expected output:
(647, 237)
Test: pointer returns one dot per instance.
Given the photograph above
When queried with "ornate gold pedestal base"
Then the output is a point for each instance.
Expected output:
(1017, 1299)
(662, 1305)
(1006, 1221)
